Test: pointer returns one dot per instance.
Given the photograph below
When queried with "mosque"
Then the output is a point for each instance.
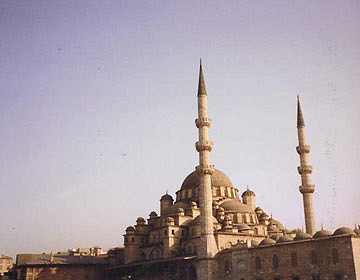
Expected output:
(208, 231)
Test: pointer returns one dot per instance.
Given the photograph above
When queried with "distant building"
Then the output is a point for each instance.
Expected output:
(49, 266)
(6, 263)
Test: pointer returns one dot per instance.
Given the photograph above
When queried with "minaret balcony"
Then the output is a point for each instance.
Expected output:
(303, 149)
(204, 146)
(307, 188)
(202, 121)
(205, 169)
(304, 169)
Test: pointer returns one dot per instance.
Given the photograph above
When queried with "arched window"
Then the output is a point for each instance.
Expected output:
(143, 256)
(275, 262)
(257, 262)
(335, 255)
(218, 192)
(293, 259)
(313, 257)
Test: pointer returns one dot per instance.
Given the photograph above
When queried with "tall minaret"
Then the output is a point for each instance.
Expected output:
(305, 170)
(208, 247)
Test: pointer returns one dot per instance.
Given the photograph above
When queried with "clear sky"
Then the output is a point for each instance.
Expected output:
(98, 102)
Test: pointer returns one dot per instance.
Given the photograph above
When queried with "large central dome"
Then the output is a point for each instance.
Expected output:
(220, 184)
(218, 179)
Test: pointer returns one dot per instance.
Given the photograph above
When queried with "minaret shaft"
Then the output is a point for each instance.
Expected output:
(305, 170)
(208, 247)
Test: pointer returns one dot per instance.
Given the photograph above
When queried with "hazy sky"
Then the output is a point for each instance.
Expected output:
(98, 102)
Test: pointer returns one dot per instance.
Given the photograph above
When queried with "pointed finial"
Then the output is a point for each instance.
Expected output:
(247, 187)
(201, 87)
(300, 118)
(322, 226)
(166, 191)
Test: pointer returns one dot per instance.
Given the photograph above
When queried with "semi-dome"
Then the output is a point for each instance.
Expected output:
(217, 179)
(322, 233)
(302, 236)
(196, 221)
(267, 241)
(344, 230)
(276, 223)
(236, 206)
(174, 209)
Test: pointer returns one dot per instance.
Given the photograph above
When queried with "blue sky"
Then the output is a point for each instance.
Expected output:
(99, 101)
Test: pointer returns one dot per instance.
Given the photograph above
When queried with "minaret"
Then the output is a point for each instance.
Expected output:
(208, 247)
(305, 170)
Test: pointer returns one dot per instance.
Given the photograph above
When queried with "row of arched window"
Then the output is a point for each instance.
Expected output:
(294, 259)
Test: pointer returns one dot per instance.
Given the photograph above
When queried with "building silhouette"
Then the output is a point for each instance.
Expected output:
(208, 232)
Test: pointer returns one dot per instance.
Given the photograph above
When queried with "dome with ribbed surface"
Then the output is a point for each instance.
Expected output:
(344, 230)
(217, 179)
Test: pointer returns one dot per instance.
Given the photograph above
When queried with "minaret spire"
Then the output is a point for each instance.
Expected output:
(305, 170)
(204, 170)
(201, 87)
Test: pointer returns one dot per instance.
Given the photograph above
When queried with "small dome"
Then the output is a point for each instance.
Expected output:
(302, 236)
(236, 206)
(254, 243)
(243, 227)
(140, 221)
(166, 197)
(217, 179)
(153, 214)
(169, 220)
(275, 236)
(344, 230)
(267, 241)
(227, 218)
(264, 216)
(258, 210)
(272, 228)
(285, 238)
(322, 233)
(248, 193)
(130, 229)
(193, 204)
